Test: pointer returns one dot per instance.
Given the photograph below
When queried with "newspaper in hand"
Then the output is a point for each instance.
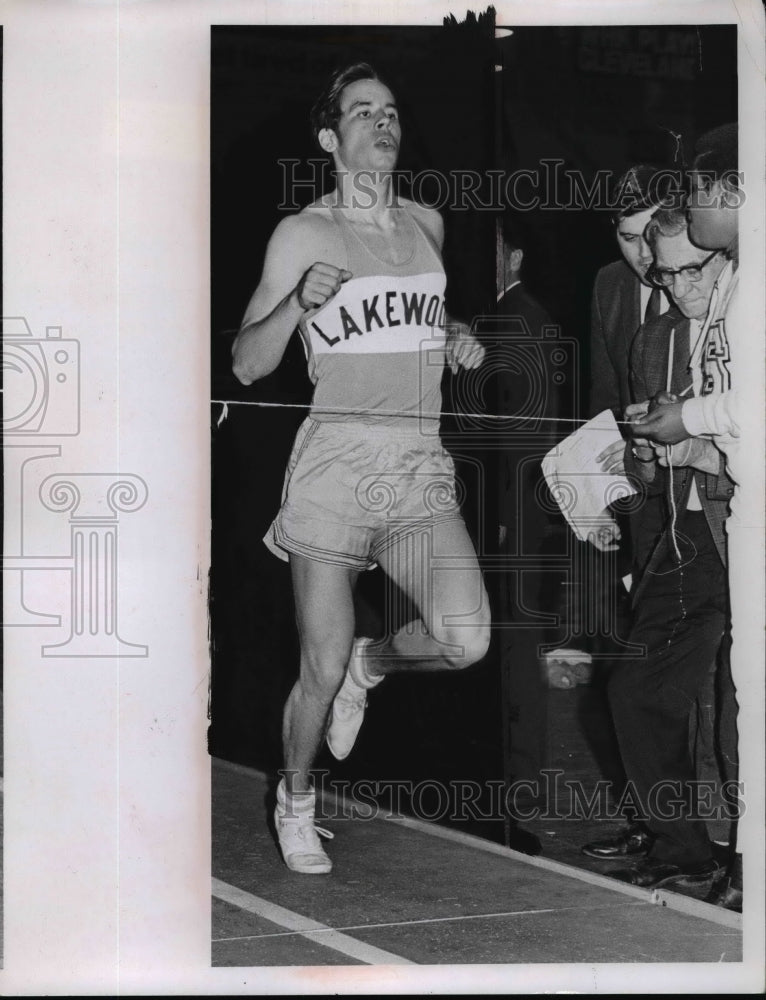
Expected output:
(576, 480)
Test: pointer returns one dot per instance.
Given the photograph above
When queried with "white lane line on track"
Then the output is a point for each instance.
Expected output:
(439, 920)
(306, 927)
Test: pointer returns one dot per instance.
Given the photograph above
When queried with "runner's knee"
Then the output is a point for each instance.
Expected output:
(322, 670)
(477, 643)
(464, 645)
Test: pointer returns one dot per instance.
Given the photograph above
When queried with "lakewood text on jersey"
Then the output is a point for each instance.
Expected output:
(380, 314)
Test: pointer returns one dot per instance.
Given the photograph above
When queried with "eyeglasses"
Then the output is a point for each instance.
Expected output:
(692, 272)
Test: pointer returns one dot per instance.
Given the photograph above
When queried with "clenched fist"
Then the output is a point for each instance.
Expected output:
(319, 284)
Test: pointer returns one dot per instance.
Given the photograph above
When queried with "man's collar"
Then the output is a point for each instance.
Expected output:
(512, 285)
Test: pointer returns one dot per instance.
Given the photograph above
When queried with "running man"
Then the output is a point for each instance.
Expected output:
(359, 273)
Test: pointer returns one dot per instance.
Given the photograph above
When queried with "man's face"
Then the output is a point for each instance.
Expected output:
(633, 246)
(712, 213)
(368, 133)
(691, 297)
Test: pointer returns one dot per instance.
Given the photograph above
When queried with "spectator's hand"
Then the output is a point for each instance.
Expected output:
(663, 424)
(463, 349)
(634, 412)
(697, 453)
(502, 534)
(612, 459)
(605, 535)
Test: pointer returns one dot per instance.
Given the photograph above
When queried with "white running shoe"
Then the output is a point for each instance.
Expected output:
(298, 836)
(350, 702)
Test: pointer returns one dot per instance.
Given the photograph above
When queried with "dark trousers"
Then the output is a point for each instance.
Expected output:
(680, 619)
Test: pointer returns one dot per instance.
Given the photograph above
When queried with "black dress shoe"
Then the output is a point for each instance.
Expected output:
(726, 891)
(652, 873)
(632, 842)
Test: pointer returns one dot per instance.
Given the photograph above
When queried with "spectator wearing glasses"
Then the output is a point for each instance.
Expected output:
(729, 411)
(680, 602)
(713, 214)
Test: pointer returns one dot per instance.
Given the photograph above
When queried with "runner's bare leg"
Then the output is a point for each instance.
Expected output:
(437, 568)
(325, 614)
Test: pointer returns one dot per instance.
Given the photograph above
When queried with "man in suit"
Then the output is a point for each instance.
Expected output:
(520, 317)
(622, 296)
(681, 600)
(524, 387)
(622, 300)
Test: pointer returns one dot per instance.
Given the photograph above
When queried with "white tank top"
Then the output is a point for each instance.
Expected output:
(378, 345)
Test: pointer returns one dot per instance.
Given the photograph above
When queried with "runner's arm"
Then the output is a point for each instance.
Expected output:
(286, 291)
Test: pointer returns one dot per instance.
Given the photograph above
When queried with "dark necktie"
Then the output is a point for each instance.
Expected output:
(653, 305)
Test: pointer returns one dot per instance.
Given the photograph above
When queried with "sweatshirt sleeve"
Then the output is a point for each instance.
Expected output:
(716, 414)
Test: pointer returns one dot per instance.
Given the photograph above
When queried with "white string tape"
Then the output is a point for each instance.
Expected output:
(669, 449)
(226, 403)
(673, 508)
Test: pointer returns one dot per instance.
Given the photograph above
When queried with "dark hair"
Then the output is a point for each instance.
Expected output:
(715, 152)
(326, 110)
(642, 187)
(665, 222)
